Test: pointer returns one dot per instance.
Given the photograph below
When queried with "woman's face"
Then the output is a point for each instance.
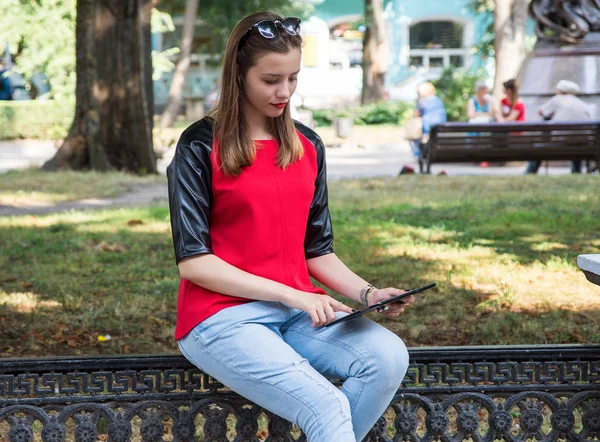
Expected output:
(271, 82)
(482, 92)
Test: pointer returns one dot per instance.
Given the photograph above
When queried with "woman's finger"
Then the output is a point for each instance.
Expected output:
(315, 318)
(322, 315)
(330, 313)
(340, 307)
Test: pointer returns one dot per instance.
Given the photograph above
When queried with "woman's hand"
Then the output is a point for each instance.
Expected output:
(393, 309)
(321, 308)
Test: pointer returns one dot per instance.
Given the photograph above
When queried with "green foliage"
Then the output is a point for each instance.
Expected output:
(43, 119)
(485, 8)
(454, 89)
(386, 112)
(41, 37)
(162, 22)
(322, 117)
(223, 15)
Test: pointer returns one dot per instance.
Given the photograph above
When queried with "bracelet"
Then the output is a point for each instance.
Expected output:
(364, 293)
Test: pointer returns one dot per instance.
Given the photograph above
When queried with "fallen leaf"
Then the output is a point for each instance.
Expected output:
(114, 248)
(159, 321)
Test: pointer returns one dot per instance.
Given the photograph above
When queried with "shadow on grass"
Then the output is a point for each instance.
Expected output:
(535, 234)
(75, 277)
(67, 285)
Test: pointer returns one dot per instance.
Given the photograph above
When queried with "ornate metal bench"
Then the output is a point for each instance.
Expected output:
(450, 394)
(544, 140)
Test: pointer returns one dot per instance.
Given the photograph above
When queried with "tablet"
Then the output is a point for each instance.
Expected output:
(380, 304)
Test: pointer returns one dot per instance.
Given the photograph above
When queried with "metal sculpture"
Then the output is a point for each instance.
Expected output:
(565, 20)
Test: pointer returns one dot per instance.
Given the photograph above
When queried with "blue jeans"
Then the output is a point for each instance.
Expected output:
(270, 354)
(415, 147)
(533, 166)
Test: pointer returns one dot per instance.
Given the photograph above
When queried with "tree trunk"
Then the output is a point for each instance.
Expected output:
(183, 66)
(112, 128)
(509, 42)
(375, 53)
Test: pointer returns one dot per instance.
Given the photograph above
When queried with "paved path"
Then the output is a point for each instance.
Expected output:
(342, 162)
(21, 154)
(138, 196)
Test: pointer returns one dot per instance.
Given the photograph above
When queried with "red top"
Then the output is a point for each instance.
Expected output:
(519, 107)
(257, 224)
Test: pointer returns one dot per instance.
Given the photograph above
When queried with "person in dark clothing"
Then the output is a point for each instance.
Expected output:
(5, 86)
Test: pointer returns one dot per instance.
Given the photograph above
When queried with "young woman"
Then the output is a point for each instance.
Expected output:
(250, 224)
(513, 109)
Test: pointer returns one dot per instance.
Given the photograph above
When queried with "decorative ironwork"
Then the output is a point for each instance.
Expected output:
(450, 394)
(565, 20)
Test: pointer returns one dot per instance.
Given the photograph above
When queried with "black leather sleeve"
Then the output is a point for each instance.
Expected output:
(190, 191)
(319, 232)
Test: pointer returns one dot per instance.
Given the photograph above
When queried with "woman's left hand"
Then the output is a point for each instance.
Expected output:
(393, 309)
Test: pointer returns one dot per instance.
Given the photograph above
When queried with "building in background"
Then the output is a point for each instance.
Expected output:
(425, 37)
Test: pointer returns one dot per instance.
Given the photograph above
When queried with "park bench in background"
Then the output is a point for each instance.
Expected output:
(450, 393)
(544, 140)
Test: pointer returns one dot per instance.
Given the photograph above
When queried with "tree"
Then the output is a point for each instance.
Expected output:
(112, 127)
(375, 53)
(510, 24)
(182, 68)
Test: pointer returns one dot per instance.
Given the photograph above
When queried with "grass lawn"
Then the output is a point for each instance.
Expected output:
(502, 250)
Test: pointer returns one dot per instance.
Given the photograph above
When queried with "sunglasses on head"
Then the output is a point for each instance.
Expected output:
(268, 28)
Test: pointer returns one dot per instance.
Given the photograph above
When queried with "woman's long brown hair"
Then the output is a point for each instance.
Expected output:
(236, 147)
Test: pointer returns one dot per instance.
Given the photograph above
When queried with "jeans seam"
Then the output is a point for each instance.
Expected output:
(271, 385)
(344, 346)
(187, 355)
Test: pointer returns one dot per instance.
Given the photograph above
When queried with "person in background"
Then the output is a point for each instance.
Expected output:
(512, 108)
(431, 110)
(481, 108)
(5, 86)
(563, 107)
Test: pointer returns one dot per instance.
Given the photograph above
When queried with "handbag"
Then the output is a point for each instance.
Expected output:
(413, 128)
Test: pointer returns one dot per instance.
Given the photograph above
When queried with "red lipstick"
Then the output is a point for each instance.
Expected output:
(279, 105)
